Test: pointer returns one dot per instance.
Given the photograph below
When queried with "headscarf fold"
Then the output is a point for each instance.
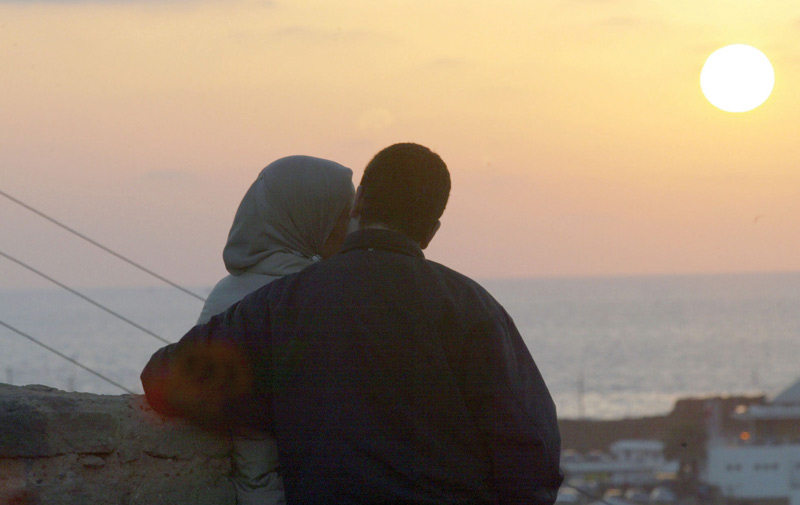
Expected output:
(287, 215)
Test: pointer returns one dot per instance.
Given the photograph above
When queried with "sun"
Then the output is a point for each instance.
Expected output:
(737, 78)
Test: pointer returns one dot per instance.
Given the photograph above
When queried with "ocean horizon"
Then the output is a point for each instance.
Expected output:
(608, 347)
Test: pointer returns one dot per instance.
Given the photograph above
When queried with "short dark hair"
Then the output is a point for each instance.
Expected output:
(406, 187)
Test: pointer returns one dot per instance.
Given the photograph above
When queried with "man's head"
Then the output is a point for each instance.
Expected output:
(405, 188)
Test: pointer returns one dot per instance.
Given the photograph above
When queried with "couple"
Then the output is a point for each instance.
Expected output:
(380, 376)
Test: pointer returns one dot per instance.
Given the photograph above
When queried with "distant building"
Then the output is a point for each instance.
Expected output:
(627, 463)
(761, 464)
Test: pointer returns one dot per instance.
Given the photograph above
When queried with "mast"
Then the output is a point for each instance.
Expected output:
(581, 387)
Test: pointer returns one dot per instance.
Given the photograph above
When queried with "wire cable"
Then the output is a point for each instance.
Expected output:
(74, 362)
(81, 295)
(101, 246)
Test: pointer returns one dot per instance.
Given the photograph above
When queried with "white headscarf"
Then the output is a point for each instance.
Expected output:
(281, 225)
(287, 215)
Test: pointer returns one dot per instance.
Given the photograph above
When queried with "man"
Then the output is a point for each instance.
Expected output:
(384, 377)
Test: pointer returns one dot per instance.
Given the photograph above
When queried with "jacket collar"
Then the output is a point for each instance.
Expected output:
(388, 240)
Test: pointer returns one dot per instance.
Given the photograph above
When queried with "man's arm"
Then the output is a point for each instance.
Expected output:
(514, 412)
(208, 376)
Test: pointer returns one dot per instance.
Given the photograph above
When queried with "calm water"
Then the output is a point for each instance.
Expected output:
(637, 343)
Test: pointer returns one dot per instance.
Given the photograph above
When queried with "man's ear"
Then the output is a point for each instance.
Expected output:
(358, 202)
(430, 235)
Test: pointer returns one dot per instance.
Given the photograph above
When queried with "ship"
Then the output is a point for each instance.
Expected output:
(761, 463)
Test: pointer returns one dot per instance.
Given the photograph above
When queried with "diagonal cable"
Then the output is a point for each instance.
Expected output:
(81, 295)
(74, 362)
(101, 246)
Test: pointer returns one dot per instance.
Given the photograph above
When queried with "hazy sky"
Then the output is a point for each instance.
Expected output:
(576, 132)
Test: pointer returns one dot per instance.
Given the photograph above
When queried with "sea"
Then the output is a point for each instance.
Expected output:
(608, 347)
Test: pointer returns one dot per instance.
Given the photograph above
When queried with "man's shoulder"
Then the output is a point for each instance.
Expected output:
(450, 274)
(461, 282)
(315, 276)
(272, 288)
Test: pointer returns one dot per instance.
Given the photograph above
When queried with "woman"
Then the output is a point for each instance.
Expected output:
(294, 214)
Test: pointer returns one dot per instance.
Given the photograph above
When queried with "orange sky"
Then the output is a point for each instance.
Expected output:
(577, 135)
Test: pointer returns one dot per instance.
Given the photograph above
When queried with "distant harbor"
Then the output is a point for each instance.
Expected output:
(723, 450)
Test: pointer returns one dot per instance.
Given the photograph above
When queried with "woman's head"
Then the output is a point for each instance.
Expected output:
(296, 205)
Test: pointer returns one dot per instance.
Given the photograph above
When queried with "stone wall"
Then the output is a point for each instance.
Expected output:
(60, 448)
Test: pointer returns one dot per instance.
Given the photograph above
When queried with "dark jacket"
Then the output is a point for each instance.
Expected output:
(385, 378)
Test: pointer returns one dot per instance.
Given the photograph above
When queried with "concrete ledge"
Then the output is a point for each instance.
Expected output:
(59, 448)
